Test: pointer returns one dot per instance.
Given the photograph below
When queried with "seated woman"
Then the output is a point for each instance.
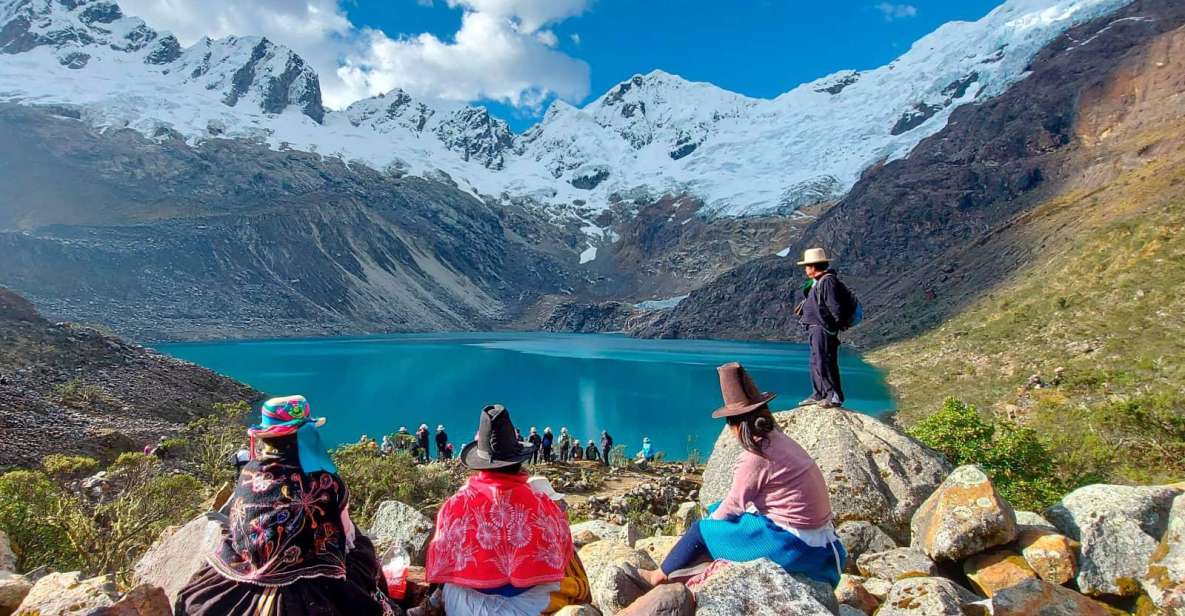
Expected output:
(290, 548)
(778, 506)
(500, 548)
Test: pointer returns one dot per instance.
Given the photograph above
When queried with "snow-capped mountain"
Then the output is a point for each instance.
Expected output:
(650, 135)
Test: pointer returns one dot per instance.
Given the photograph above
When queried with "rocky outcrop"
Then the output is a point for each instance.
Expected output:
(71, 389)
(1118, 528)
(1164, 581)
(761, 588)
(964, 516)
(589, 318)
(68, 594)
(178, 555)
(896, 564)
(1039, 597)
(875, 473)
(612, 589)
(927, 596)
(395, 522)
(860, 538)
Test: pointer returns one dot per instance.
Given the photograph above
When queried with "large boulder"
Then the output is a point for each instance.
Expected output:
(1164, 580)
(7, 557)
(964, 516)
(657, 547)
(143, 600)
(896, 564)
(851, 592)
(13, 589)
(613, 590)
(1051, 555)
(68, 594)
(994, 570)
(1028, 518)
(874, 471)
(1037, 597)
(397, 522)
(1118, 528)
(860, 538)
(928, 596)
(663, 600)
(600, 530)
(761, 588)
(178, 555)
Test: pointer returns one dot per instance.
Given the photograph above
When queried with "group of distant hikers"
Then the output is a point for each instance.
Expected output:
(548, 448)
(502, 544)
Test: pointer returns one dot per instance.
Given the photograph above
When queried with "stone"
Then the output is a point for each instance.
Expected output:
(928, 596)
(685, 516)
(13, 589)
(612, 590)
(1028, 518)
(964, 516)
(851, 592)
(396, 522)
(896, 564)
(177, 556)
(222, 496)
(657, 547)
(1038, 597)
(877, 587)
(143, 600)
(578, 610)
(1118, 529)
(847, 610)
(993, 571)
(760, 588)
(663, 600)
(68, 594)
(859, 538)
(7, 557)
(1051, 555)
(1165, 576)
(874, 472)
(602, 530)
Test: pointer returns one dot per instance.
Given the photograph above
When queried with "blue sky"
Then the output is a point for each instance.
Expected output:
(515, 56)
(756, 47)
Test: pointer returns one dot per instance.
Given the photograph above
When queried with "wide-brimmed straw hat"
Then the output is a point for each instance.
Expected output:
(813, 256)
(282, 416)
(496, 445)
(739, 391)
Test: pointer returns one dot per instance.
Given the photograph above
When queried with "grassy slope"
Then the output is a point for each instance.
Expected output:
(1103, 296)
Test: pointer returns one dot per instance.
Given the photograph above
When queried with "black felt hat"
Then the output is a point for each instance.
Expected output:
(496, 445)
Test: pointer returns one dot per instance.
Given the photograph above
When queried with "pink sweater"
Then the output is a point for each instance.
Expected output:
(786, 485)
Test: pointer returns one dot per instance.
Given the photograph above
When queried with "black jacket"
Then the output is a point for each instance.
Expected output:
(821, 306)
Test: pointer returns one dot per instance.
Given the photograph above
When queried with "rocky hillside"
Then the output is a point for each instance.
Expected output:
(921, 237)
(923, 540)
(67, 388)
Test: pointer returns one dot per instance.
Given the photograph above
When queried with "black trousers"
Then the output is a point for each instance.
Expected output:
(825, 365)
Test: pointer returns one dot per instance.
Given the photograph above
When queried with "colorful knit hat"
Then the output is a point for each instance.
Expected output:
(282, 416)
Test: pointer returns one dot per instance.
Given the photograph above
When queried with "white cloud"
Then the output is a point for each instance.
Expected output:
(893, 12)
(502, 51)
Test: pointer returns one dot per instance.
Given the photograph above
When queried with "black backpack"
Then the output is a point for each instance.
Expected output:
(850, 308)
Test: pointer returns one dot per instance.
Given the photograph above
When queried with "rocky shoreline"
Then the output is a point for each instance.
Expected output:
(924, 540)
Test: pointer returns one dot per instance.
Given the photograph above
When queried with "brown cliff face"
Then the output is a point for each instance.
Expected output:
(71, 389)
(903, 233)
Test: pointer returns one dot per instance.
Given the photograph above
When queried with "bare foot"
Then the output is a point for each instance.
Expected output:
(654, 578)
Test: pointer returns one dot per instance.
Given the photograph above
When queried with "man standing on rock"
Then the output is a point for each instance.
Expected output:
(827, 309)
(606, 446)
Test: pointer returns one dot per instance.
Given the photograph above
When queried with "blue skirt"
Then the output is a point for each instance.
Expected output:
(751, 537)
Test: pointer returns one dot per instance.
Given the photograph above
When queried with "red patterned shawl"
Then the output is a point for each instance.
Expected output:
(496, 531)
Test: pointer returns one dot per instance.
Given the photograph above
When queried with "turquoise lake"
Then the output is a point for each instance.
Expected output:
(663, 389)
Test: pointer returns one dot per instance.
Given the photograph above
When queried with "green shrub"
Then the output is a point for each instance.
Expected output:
(210, 441)
(75, 392)
(373, 478)
(66, 468)
(28, 503)
(1017, 460)
(617, 457)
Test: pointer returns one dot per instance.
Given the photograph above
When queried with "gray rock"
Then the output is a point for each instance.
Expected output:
(686, 515)
(761, 588)
(578, 610)
(13, 589)
(847, 610)
(1166, 570)
(874, 472)
(1041, 597)
(859, 538)
(895, 564)
(7, 557)
(1118, 528)
(396, 522)
(68, 594)
(964, 516)
(178, 555)
(611, 589)
(1028, 518)
(928, 596)
(628, 534)
(143, 600)
(663, 600)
